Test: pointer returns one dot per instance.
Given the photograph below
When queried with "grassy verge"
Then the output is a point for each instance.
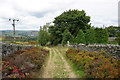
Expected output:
(80, 73)
(59, 72)
(58, 55)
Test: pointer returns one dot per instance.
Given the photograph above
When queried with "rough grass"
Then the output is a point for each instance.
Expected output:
(80, 73)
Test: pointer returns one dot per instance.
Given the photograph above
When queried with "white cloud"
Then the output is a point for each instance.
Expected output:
(35, 13)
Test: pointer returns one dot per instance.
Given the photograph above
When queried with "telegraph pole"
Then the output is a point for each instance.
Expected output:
(13, 24)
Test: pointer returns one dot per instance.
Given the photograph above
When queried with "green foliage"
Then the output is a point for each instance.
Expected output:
(28, 39)
(101, 35)
(43, 37)
(73, 20)
(55, 36)
(80, 38)
(112, 30)
(67, 37)
(90, 35)
(118, 36)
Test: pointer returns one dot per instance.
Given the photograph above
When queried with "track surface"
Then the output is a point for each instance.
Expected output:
(56, 66)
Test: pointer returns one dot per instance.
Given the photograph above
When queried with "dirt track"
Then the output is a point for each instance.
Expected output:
(56, 66)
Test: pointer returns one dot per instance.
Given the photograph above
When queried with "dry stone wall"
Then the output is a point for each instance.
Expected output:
(113, 50)
(7, 49)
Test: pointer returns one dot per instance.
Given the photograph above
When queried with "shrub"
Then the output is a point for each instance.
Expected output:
(94, 64)
(22, 63)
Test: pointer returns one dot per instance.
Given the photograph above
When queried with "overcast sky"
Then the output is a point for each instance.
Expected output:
(35, 13)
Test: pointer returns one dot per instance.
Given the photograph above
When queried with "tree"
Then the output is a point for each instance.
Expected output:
(101, 35)
(73, 20)
(66, 37)
(54, 39)
(80, 38)
(90, 36)
(118, 36)
(43, 37)
(112, 30)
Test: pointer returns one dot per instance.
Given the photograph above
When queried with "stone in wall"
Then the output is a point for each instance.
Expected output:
(113, 50)
(8, 49)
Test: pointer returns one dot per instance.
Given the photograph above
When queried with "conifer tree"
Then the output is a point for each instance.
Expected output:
(90, 36)
(80, 38)
(67, 37)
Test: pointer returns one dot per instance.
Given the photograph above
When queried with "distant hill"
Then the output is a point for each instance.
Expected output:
(19, 33)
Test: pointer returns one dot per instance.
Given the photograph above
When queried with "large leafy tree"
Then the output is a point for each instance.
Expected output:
(67, 37)
(73, 20)
(80, 38)
(101, 35)
(55, 37)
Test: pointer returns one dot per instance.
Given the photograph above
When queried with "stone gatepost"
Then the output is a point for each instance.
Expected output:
(68, 43)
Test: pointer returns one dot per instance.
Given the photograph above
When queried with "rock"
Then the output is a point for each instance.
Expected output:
(111, 49)
(7, 49)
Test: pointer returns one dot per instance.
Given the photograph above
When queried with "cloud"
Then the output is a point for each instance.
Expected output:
(35, 13)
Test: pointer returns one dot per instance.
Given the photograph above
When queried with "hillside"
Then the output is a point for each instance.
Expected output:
(19, 33)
